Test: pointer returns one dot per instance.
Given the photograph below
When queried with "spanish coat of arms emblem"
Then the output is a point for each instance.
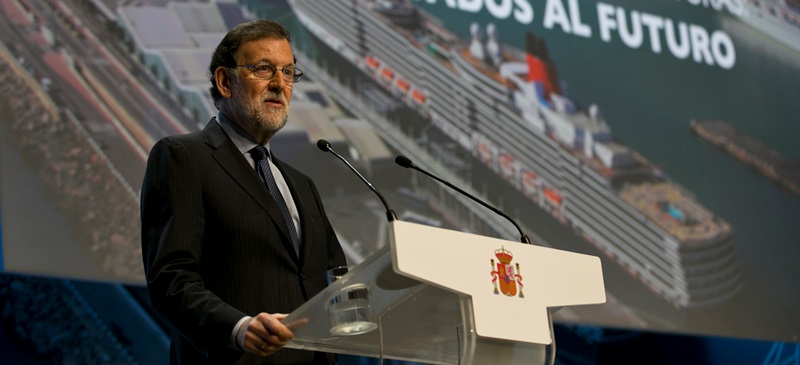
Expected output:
(505, 275)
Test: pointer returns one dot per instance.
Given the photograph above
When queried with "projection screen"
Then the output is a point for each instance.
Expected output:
(660, 136)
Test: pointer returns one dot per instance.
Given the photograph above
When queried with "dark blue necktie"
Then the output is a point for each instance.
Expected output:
(260, 156)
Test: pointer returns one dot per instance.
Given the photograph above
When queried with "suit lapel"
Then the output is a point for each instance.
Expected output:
(231, 160)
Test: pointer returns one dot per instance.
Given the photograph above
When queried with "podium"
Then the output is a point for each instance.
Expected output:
(438, 296)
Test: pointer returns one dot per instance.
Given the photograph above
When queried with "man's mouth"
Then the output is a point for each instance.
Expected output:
(274, 103)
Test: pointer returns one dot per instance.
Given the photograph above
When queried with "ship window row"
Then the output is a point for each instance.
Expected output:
(660, 268)
(484, 108)
(709, 249)
(443, 76)
(632, 219)
(433, 78)
(712, 271)
(548, 144)
(394, 57)
(449, 128)
(445, 93)
(336, 20)
(480, 119)
(439, 66)
(455, 119)
(368, 17)
(346, 37)
(713, 297)
(329, 6)
(458, 113)
(498, 99)
(706, 248)
(724, 286)
(383, 32)
(479, 79)
(635, 264)
(452, 107)
(640, 222)
(721, 251)
(397, 55)
(643, 234)
(594, 175)
(531, 151)
(508, 111)
(568, 157)
(350, 40)
(542, 164)
(342, 21)
(727, 282)
(630, 235)
(726, 257)
(452, 119)
(384, 46)
(336, 25)
(520, 138)
(569, 163)
(665, 266)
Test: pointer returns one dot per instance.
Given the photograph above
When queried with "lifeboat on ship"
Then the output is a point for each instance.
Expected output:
(552, 197)
(529, 184)
(418, 97)
(507, 166)
(387, 75)
(401, 85)
(372, 63)
(486, 152)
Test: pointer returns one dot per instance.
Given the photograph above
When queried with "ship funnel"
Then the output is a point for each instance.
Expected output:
(493, 45)
(476, 48)
(540, 69)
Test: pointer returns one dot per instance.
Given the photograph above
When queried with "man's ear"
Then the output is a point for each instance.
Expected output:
(223, 81)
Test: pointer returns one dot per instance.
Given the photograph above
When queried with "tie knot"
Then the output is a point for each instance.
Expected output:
(259, 153)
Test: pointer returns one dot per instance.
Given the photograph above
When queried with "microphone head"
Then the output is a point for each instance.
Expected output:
(403, 161)
(324, 145)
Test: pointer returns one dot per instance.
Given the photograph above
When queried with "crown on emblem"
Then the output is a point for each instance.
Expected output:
(505, 256)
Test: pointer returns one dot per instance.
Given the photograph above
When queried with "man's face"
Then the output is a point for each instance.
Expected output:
(261, 106)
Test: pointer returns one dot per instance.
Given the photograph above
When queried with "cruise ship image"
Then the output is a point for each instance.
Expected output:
(779, 19)
(506, 105)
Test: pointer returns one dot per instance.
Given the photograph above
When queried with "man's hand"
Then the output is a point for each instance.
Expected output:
(266, 334)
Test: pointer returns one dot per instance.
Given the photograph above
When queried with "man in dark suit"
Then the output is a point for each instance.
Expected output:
(231, 236)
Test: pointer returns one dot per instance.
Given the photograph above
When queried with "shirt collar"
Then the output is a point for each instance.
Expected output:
(243, 141)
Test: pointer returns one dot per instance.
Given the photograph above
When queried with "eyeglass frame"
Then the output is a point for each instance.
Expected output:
(295, 77)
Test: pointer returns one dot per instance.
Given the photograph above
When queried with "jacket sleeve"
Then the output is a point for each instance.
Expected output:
(172, 246)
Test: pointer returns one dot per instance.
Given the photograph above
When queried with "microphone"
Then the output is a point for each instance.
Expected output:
(325, 146)
(405, 162)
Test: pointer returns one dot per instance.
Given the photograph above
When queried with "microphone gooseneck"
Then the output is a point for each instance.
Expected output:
(406, 162)
(325, 146)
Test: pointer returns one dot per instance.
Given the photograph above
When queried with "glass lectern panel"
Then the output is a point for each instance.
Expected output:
(410, 320)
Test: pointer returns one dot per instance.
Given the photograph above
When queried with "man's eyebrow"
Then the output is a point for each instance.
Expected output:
(264, 60)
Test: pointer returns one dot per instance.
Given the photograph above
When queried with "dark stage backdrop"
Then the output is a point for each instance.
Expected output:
(658, 135)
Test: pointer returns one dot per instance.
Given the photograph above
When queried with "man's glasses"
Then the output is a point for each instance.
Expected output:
(267, 72)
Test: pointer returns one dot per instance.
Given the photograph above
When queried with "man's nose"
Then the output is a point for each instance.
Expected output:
(277, 83)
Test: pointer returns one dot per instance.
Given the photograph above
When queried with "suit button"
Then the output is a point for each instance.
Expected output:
(302, 277)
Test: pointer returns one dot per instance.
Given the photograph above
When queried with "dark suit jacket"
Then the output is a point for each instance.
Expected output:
(216, 247)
